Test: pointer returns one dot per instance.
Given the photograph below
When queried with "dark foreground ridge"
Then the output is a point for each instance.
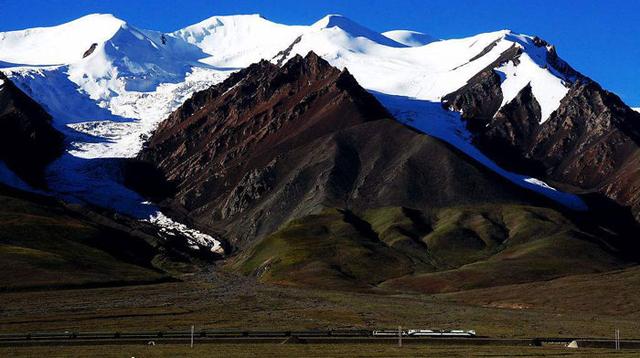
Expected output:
(28, 141)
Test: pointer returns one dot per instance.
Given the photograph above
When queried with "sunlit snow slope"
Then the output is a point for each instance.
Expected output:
(108, 84)
(409, 38)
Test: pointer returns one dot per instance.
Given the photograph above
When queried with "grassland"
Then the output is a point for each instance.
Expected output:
(441, 250)
(352, 254)
(45, 244)
(212, 300)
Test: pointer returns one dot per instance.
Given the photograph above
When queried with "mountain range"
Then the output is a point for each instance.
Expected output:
(328, 155)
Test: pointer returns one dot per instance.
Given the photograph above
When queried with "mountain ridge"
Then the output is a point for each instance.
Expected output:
(117, 111)
(283, 143)
(285, 177)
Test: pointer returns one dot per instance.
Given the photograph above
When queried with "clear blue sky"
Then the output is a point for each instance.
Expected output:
(600, 38)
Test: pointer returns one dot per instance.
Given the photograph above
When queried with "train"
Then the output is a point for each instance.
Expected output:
(425, 333)
(230, 334)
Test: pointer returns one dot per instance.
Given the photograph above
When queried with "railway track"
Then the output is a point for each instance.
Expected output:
(276, 337)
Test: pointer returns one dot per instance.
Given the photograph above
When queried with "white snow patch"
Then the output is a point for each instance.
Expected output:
(547, 87)
(539, 183)
(637, 109)
(196, 238)
(409, 38)
(125, 138)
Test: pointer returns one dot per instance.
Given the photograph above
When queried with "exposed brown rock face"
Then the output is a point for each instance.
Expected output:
(590, 144)
(261, 109)
(28, 142)
(481, 97)
(479, 100)
(275, 143)
(510, 132)
(91, 49)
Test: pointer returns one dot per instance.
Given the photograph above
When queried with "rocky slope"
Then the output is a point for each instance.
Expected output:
(28, 141)
(588, 144)
(271, 143)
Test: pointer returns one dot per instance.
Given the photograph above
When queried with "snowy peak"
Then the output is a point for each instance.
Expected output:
(532, 62)
(98, 20)
(230, 20)
(238, 41)
(101, 54)
(62, 44)
(409, 38)
(354, 29)
(336, 20)
(140, 59)
(198, 32)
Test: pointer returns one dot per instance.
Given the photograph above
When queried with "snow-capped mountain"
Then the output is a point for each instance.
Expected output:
(410, 81)
(108, 84)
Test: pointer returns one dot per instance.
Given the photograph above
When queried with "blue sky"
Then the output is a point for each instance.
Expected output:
(599, 38)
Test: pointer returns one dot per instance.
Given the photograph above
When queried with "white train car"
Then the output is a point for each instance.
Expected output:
(425, 333)
(440, 333)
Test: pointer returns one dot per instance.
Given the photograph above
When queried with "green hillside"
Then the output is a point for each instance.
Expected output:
(45, 245)
(443, 250)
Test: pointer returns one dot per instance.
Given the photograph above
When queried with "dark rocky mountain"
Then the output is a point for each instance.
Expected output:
(28, 142)
(589, 144)
(270, 144)
(313, 182)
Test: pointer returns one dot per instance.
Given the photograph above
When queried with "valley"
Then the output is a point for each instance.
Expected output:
(567, 307)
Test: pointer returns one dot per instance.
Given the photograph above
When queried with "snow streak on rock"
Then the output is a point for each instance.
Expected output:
(548, 86)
